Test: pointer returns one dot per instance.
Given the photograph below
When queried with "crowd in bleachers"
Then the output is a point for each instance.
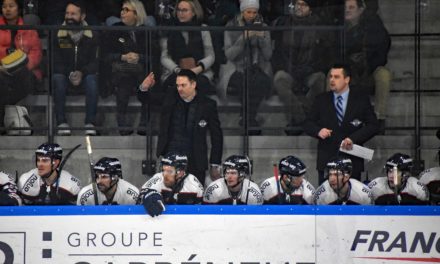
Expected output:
(292, 63)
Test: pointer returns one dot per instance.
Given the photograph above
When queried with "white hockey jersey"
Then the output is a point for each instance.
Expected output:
(125, 194)
(431, 179)
(218, 193)
(273, 193)
(34, 190)
(8, 186)
(188, 191)
(412, 193)
(358, 194)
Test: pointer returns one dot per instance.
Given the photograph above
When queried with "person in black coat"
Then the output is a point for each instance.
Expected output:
(75, 55)
(354, 123)
(126, 59)
(186, 117)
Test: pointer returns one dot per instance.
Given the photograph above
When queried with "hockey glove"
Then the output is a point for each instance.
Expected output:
(153, 203)
(5, 199)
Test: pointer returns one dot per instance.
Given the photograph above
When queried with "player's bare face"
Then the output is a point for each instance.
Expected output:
(336, 179)
(185, 87)
(338, 82)
(391, 176)
(231, 177)
(44, 165)
(296, 181)
(103, 181)
(169, 176)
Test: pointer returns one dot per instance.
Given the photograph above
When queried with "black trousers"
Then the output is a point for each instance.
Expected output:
(13, 89)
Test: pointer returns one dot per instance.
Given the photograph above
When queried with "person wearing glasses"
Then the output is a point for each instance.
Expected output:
(188, 49)
(125, 52)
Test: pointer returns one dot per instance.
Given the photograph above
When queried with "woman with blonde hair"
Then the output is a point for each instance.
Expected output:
(191, 49)
(126, 53)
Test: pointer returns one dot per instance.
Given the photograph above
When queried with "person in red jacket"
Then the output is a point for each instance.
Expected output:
(16, 85)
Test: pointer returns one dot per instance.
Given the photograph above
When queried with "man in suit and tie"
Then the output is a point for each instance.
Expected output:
(185, 120)
(340, 117)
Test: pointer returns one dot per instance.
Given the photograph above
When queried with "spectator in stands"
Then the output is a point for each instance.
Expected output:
(288, 185)
(431, 179)
(52, 12)
(235, 187)
(17, 80)
(8, 191)
(48, 184)
(219, 15)
(340, 118)
(367, 46)
(75, 55)
(110, 12)
(297, 62)
(186, 117)
(173, 185)
(339, 188)
(125, 53)
(190, 50)
(248, 53)
(109, 188)
(399, 187)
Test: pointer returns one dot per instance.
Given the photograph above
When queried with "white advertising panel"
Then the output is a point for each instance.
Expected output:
(220, 234)
(173, 238)
(378, 239)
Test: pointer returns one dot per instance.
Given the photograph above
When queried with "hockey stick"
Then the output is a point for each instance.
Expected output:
(250, 178)
(396, 182)
(92, 171)
(276, 175)
(60, 168)
(63, 162)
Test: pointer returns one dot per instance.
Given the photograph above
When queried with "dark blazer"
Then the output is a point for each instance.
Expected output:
(323, 115)
(206, 119)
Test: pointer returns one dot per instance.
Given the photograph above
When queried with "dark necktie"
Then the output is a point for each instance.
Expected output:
(339, 110)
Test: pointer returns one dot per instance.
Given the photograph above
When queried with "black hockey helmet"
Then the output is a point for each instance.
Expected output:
(340, 164)
(239, 163)
(292, 166)
(52, 150)
(176, 160)
(111, 166)
(403, 162)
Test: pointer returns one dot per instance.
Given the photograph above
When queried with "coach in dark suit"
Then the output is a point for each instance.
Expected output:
(186, 117)
(340, 117)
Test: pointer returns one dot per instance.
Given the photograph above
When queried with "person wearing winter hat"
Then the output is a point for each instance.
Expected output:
(245, 4)
(249, 53)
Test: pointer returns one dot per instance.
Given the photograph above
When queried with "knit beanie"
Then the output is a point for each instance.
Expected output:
(310, 3)
(245, 4)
